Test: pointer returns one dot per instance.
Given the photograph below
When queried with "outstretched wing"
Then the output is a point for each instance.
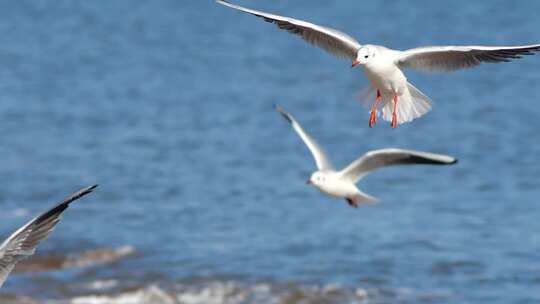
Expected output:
(322, 161)
(331, 40)
(390, 157)
(24, 241)
(450, 58)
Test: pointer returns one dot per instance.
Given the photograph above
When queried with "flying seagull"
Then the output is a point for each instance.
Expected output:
(396, 99)
(341, 184)
(23, 242)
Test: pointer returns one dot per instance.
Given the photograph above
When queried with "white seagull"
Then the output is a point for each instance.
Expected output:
(399, 100)
(23, 242)
(341, 184)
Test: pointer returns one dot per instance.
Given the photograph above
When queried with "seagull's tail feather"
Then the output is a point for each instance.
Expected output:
(363, 198)
(411, 105)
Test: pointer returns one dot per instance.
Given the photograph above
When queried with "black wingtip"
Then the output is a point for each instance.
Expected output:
(89, 189)
(448, 163)
(79, 194)
(414, 159)
(283, 113)
(59, 208)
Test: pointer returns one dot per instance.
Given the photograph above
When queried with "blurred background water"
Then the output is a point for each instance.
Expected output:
(168, 106)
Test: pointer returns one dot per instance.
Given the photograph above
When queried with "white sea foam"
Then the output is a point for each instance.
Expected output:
(148, 295)
(228, 292)
(100, 285)
(231, 292)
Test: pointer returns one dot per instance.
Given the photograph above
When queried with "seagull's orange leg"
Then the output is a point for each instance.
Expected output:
(373, 112)
(394, 113)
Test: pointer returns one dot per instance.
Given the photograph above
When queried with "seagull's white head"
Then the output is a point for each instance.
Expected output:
(317, 179)
(364, 55)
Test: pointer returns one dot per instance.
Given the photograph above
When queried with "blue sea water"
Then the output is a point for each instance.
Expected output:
(168, 105)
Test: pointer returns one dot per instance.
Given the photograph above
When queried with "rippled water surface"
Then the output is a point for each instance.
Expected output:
(168, 106)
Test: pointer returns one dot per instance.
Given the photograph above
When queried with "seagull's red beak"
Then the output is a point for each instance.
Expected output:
(309, 182)
(355, 63)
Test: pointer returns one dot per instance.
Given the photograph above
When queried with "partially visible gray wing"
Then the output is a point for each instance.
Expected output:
(6, 267)
(450, 58)
(390, 157)
(333, 41)
(24, 241)
(322, 161)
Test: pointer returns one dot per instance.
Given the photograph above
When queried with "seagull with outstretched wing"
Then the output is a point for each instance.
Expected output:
(396, 99)
(341, 184)
(23, 242)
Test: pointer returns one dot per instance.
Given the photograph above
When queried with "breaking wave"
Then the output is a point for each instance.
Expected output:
(231, 292)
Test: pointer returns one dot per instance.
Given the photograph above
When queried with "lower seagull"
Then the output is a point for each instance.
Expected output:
(23, 242)
(341, 184)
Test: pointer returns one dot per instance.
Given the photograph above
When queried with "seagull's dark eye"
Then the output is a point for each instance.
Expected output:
(366, 56)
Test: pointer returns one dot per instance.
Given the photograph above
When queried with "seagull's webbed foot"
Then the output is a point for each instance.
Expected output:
(352, 203)
(372, 118)
(394, 121)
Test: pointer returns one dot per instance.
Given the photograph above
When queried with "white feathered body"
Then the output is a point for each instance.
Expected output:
(334, 186)
(337, 186)
(385, 76)
(383, 73)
